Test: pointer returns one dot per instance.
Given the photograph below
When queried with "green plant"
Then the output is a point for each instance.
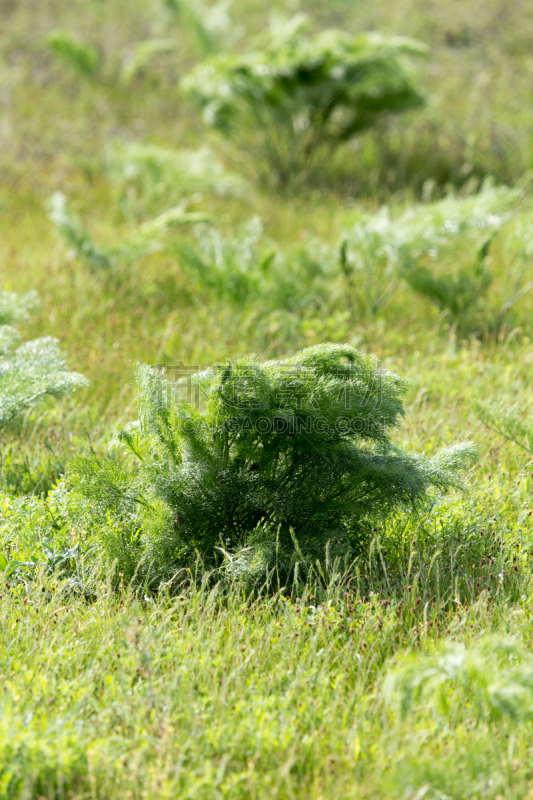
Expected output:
(459, 295)
(30, 459)
(76, 236)
(509, 419)
(211, 24)
(229, 268)
(142, 53)
(36, 537)
(158, 175)
(83, 58)
(15, 307)
(289, 457)
(295, 101)
(380, 251)
(372, 258)
(244, 268)
(495, 678)
(304, 279)
(106, 257)
(29, 371)
(209, 694)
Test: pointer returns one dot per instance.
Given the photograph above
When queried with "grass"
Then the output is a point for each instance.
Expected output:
(211, 695)
(208, 694)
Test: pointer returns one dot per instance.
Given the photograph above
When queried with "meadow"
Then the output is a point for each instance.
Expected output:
(403, 671)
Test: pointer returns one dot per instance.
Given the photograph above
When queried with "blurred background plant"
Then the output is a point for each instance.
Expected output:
(509, 418)
(30, 373)
(212, 23)
(494, 676)
(81, 57)
(292, 103)
(107, 256)
(151, 177)
(441, 250)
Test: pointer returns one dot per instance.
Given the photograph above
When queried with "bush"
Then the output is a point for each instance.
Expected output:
(287, 458)
(460, 296)
(29, 371)
(243, 267)
(295, 101)
(158, 176)
(15, 307)
(421, 246)
(102, 258)
(228, 268)
(494, 677)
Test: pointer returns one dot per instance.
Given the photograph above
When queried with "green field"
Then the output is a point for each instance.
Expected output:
(406, 673)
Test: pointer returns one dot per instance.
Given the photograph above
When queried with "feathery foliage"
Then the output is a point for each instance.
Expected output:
(229, 268)
(16, 307)
(287, 458)
(245, 267)
(29, 371)
(457, 294)
(159, 175)
(105, 257)
(512, 421)
(495, 677)
(380, 251)
(74, 233)
(208, 694)
(302, 96)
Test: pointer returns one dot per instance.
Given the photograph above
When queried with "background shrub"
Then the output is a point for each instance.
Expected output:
(151, 177)
(420, 246)
(295, 101)
(29, 371)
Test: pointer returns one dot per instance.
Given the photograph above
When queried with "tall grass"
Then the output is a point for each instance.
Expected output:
(211, 693)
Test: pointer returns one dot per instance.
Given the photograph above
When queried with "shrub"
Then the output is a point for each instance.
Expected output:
(458, 295)
(380, 251)
(509, 419)
(15, 307)
(493, 678)
(243, 267)
(29, 371)
(229, 268)
(292, 103)
(105, 257)
(287, 457)
(159, 175)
